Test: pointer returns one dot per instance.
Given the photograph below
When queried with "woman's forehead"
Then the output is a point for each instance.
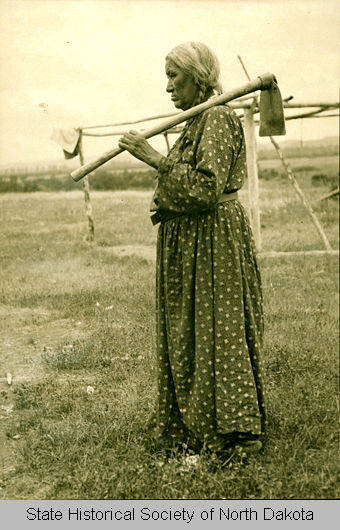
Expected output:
(170, 66)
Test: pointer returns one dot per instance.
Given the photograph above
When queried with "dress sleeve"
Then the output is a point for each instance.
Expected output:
(197, 181)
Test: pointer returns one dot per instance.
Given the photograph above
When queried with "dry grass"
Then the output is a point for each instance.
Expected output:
(78, 315)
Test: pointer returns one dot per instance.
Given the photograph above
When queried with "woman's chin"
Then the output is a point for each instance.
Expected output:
(177, 103)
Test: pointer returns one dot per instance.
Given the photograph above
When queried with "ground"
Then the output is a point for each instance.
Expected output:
(76, 315)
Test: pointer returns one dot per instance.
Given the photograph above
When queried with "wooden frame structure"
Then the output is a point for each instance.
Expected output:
(249, 106)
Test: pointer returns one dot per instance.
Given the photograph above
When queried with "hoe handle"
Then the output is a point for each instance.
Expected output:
(263, 82)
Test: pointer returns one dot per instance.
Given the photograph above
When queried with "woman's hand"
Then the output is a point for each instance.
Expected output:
(135, 144)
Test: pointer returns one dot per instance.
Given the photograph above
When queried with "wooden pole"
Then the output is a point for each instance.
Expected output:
(315, 104)
(253, 182)
(273, 254)
(86, 188)
(301, 195)
(329, 195)
(252, 169)
(174, 130)
(159, 116)
(235, 104)
(166, 141)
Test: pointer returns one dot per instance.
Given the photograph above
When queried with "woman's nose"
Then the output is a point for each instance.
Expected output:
(170, 86)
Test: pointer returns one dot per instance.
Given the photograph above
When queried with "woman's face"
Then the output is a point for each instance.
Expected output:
(182, 88)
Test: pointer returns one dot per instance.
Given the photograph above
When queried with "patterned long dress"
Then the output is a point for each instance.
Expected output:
(209, 299)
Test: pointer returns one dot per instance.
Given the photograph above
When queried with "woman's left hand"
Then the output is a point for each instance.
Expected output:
(136, 144)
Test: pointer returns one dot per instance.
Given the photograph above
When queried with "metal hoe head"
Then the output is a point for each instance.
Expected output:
(272, 120)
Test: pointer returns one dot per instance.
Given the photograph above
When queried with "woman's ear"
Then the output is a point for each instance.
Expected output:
(200, 96)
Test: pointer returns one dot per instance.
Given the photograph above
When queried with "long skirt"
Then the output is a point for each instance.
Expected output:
(209, 329)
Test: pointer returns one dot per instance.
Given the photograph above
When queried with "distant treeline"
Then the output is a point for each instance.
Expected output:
(306, 151)
(111, 180)
(125, 174)
(101, 179)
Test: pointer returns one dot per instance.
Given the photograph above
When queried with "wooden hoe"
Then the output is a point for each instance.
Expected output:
(272, 121)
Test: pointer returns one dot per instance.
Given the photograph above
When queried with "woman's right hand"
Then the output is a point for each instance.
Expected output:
(135, 143)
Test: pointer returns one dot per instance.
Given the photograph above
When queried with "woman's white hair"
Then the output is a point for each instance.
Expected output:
(197, 61)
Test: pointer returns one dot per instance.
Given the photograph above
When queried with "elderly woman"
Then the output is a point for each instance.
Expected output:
(209, 300)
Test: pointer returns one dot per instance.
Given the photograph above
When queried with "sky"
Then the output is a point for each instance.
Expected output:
(80, 62)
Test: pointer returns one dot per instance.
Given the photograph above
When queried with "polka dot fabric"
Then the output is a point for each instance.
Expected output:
(207, 159)
(209, 299)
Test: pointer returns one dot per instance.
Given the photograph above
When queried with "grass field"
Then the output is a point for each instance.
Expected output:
(78, 315)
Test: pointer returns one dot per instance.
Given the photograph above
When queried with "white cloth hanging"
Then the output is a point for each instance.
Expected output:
(68, 139)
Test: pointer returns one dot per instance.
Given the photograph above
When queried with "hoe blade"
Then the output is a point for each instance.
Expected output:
(272, 120)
